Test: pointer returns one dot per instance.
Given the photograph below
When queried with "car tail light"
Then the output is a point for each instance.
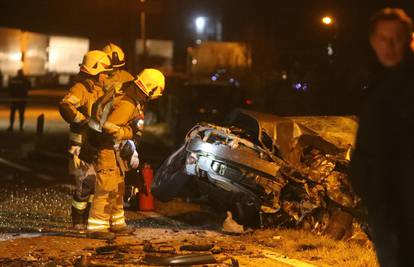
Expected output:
(248, 101)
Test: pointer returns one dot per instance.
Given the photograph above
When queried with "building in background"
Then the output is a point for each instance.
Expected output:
(159, 54)
(42, 57)
(210, 60)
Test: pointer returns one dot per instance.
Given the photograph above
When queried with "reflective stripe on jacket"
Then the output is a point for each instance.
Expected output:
(76, 106)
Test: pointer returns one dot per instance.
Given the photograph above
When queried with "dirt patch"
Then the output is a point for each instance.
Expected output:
(45, 249)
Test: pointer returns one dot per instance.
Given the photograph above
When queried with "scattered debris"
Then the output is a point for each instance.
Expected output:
(180, 260)
(305, 247)
(149, 248)
(231, 226)
(111, 249)
(196, 247)
(82, 261)
(277, 237)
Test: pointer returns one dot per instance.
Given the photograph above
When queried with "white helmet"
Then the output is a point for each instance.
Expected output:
(95, 62)
(116, 55)
(151, 82)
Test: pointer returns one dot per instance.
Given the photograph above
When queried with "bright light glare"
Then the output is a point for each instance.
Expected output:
(330, 50)
(17, 56)
(327, 20)
(200, 23)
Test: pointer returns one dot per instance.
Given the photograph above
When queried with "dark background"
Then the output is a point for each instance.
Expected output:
(284, 36)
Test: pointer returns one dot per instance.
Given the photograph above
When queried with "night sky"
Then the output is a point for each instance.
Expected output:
(283, 35)
(293, 21)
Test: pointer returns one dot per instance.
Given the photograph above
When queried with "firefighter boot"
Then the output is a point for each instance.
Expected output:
(86, 214)
(102, 234)
(122, 230)
(78, 219)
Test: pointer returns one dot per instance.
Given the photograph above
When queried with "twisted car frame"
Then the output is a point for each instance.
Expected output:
(269, 171)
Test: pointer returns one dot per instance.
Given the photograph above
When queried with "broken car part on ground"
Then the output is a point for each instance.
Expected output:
(268, 171)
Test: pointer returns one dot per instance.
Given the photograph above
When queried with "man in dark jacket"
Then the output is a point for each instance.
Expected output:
(18, 86)
(382, 168)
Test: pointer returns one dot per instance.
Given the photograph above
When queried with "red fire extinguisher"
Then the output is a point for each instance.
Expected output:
(146, 199)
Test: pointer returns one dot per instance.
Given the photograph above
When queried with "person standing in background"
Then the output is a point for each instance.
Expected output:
(18, 89)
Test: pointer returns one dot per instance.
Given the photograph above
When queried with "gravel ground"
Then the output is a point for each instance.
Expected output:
(35, 231)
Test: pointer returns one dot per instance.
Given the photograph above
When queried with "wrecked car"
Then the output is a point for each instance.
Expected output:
(269, 171)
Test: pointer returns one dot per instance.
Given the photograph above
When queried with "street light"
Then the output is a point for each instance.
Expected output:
(200, 24)
(327, 20)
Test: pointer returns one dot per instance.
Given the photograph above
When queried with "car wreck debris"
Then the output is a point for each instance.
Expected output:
(187, 259)
(196, 247)
(268, 171)
(231, 226)
(180, 260)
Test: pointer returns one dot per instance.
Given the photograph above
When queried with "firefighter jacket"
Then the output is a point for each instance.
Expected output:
(117, 116)
(76, 107)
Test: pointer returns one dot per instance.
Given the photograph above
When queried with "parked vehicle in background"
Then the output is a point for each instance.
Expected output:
(205, 102)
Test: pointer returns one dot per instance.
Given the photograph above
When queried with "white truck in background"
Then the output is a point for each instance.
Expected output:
(210, 62)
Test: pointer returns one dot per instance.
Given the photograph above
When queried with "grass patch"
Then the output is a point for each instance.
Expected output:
(318, 250)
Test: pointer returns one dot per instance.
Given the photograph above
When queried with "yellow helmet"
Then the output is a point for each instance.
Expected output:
(95, 62)
(151, 82)
(116, 54)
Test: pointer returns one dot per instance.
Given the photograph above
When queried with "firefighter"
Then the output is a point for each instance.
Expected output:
(121, 123)
(115, 81)
(75, 108)
(119, 75)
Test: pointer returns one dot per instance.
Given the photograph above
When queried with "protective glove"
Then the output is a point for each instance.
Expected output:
(134, 162)
(129, 153)
(137, 124)
(127, 149)
(77, 162)
(80, 126)
(74, 150)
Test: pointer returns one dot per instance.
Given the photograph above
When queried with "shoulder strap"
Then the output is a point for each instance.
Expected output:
(105, 111)
(101, 109)
(87, 85)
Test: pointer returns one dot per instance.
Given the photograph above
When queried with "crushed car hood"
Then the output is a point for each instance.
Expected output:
(331, 134)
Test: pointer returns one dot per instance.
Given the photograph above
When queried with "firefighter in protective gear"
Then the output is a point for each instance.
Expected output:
(75, 108)
(119, 75)
(151, 82)
(120, 124)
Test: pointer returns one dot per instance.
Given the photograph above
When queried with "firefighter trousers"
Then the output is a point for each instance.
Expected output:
(85, 177)
(107, 210)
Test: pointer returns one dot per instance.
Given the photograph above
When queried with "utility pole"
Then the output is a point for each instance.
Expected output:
(146, 7)
(143, 33)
